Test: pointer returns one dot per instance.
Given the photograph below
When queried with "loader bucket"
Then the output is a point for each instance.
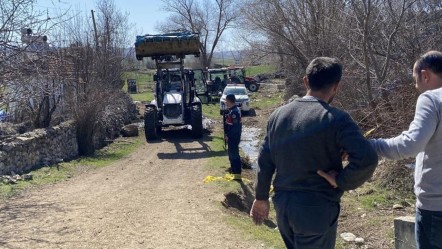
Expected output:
(177, 44)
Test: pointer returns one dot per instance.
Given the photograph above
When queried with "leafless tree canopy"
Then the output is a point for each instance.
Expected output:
(208, 18)
(95, 62)
(377, 40)
(14, 16)
(70, 66)
(24, 57)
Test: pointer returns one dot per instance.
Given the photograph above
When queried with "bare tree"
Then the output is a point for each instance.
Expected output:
(80, 71)
(36, 94)
(29, 85)
(376, 25)
(113, 27)
(299, 29)
(296, 31)
(376, 40)
(95, 71)
(208, 18)
(16, 15)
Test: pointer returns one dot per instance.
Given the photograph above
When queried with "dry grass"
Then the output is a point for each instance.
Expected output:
(368, 213)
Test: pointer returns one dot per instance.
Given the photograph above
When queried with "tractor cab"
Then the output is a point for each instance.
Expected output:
(174, 93)
(171, 80)
(219, 78)
(238, 76)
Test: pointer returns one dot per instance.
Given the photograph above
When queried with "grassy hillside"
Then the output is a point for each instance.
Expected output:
(260, 69)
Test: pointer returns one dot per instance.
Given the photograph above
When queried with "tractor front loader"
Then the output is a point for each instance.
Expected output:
(176, 102)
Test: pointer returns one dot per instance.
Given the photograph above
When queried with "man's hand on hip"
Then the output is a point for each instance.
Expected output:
(329, 176)
(260, 211)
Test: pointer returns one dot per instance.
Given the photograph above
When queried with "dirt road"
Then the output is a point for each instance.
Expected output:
(155, 198)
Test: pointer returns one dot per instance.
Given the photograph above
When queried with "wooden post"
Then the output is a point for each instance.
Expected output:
(95, 28)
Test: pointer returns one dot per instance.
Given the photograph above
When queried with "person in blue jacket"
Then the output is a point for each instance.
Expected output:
(233, 128)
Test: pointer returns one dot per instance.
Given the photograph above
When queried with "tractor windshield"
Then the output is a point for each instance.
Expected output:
(236, 72)
(172, 81)
(219, 75)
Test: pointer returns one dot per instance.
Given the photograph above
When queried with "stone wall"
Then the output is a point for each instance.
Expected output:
(22, 152)
(120, 112)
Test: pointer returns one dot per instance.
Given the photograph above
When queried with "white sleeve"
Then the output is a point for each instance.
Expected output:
(415, 139)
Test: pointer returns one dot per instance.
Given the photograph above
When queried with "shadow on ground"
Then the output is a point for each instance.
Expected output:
(242, 200)
(187, 147)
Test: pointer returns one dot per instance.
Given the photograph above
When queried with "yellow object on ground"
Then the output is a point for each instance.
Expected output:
(226, 177)
(369, 132)
(237, 177)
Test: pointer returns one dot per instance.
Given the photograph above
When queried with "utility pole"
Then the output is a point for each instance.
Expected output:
(95, 29)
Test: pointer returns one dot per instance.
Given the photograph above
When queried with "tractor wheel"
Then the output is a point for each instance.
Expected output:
(150, 121)
(196, 121)
(253, 87)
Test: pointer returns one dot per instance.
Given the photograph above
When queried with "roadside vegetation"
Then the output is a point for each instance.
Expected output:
(211, 110)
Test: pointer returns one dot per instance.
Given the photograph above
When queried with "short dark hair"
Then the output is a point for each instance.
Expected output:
(431, 60)
(231, 98)
(323, 72)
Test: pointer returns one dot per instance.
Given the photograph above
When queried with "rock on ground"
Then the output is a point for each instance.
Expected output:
(130, 130)
(397, 207)
(359, 241)
(348, 237)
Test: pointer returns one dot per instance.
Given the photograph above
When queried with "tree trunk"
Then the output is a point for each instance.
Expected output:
(205, 63)
(85, 137)
(42, 118)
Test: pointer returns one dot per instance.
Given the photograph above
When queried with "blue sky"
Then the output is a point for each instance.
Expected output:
(144, 14)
